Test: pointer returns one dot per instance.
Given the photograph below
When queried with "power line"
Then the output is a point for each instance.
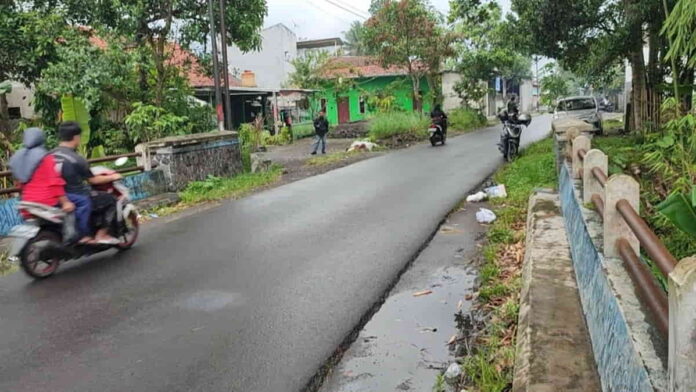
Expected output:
(364, 14)
(346, 9)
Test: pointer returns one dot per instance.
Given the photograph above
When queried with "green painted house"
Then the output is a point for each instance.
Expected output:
(356, 87)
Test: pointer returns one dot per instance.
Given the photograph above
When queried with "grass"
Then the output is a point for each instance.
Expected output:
(625, 157)
(301, 131)
(217, 188)
(388, 125)
(333, 158)
(465, 120)
(490, 367)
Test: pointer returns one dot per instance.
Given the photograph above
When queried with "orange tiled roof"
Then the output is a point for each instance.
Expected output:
(359, 67)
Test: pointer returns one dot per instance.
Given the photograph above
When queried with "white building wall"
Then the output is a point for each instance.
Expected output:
(272, 63)
(22, 97)
(526, 96)
(450, 97)
(333, 50)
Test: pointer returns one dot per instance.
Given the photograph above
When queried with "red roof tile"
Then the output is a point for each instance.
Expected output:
(359, 67)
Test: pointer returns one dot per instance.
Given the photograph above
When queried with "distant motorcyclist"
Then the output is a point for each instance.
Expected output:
(439, 117)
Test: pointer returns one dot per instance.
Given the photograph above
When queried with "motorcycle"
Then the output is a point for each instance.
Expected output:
(509, 144)
(44, 241)
(437, 132)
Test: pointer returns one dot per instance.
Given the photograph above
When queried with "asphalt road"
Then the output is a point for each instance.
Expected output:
(253, 295)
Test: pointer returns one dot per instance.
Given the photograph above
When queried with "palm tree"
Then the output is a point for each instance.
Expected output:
(353, 39)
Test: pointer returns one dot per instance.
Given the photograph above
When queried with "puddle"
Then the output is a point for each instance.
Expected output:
(405, 345)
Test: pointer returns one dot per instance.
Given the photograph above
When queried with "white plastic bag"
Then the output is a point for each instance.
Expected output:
(476, 197)
(485, 216)
(496, 191)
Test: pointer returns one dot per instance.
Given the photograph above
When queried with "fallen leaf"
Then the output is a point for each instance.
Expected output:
(460, 305)
(421, 293)
(452, 339)
(468, 297)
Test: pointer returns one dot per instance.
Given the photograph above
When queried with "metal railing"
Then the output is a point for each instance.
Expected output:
(650, 293)
(4, 175)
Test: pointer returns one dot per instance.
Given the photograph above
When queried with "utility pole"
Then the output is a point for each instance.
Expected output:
(225, 66)
(216, 68)
(538, 86)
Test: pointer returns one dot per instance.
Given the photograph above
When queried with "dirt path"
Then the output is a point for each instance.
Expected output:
(294, 158)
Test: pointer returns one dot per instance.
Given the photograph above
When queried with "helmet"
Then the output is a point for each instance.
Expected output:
(525, 119)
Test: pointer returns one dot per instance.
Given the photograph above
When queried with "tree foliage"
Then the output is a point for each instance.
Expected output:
(354, 40)
(308, 72)
(484, 49)
(408, 34)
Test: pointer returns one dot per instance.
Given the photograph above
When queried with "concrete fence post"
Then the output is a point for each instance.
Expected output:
(144, 158)
(590, 185)
(619, 187)
(682, 326)
(581, 142)
(571, 133)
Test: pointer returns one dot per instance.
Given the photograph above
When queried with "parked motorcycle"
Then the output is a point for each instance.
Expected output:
(44, 241)
(437, 132)
(509, 144)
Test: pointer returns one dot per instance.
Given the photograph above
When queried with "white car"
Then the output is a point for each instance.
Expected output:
(582, 108)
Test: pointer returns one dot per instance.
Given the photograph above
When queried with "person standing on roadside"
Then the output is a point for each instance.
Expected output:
(321, 128)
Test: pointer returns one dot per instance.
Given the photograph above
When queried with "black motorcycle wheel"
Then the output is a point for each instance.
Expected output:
(433, 142)
(512, 150)
(133, 226)
(30, 257)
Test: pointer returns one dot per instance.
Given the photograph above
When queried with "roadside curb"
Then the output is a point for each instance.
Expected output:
(553, 344)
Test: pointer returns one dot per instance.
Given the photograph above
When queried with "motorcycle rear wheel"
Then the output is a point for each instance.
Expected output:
(511, 151)
(30, 260)
(133, 230)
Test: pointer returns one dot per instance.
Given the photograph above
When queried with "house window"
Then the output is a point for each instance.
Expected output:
(362, 105)
(15, 113)
(323, 104)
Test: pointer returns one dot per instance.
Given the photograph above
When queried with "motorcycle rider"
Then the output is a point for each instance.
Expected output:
(36, 173)
(513, 108)
(439, 117)
(75, 170)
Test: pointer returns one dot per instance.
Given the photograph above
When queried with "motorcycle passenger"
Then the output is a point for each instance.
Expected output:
(439, 118)
(99, 206)
(37, 174)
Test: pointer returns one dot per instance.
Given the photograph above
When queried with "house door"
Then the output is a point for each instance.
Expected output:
(343, 110)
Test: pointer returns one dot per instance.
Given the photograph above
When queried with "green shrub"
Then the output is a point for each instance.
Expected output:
(466, 119)
(280, 139)
(301, 131)
(387, 125)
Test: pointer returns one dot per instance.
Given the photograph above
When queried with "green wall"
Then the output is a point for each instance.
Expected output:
(400, 87)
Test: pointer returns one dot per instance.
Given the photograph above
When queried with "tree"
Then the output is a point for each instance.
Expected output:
(484, 49)
(28, 42)
(407, 34)
(308, 71)
(554, 85)
(355, 41)
(590, 37)
(150, 24)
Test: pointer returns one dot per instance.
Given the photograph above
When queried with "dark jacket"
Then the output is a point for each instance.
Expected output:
(321, 126)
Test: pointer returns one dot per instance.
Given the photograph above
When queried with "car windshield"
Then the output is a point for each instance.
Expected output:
(580, 104)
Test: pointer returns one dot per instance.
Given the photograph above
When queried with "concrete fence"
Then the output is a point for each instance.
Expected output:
(643, 339)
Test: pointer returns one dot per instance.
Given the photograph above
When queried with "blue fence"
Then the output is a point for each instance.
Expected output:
(141, 185)
(618, 363)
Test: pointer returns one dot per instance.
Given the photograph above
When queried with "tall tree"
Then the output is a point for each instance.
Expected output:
(308, 70)
(407, 34)
(151, 24)
(590, 37)
(28, 42)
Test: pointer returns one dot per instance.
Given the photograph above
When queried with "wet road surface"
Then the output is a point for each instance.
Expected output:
(253, 295)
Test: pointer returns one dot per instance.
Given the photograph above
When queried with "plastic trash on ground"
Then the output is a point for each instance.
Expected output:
(485, 216)
(477, 197)
(453, 373)
(496, 191)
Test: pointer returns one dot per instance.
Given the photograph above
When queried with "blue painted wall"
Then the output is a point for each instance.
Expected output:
(141, 185)
(619, 365)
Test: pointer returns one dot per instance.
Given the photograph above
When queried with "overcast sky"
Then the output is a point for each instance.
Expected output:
(313, 19)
